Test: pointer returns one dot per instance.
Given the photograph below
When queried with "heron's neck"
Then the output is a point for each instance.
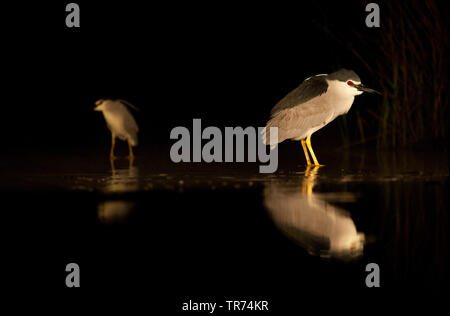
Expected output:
(340, 96)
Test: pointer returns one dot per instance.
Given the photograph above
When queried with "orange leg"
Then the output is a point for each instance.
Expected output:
(308, 143)
(130, 149)
(113, 144)
(305, 151)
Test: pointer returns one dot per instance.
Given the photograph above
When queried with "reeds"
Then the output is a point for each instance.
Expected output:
(407, 58)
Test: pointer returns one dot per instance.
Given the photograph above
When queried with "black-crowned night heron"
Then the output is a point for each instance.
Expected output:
(313, 104)
(120, 122)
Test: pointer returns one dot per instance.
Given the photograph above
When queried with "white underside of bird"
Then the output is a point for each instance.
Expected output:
(117, 126)
(119, 120)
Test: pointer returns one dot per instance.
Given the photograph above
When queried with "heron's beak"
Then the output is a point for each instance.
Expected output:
(361, 87)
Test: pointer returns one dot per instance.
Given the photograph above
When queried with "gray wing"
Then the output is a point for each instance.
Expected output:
(301, 120)
(303, 109)
(128, 119)
(307, 90)
(125, 102)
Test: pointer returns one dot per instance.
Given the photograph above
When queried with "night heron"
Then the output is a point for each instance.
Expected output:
(120, 122)
(313, 104)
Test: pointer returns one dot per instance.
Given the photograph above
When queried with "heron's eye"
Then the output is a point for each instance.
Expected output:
(350, 83)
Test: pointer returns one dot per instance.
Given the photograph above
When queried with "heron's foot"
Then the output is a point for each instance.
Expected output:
(314, 164)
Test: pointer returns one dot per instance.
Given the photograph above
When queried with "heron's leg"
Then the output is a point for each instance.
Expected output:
(113, 144)
(130, 162)
(113, 167)
(130, 149)
(305, 151)
(308, 143)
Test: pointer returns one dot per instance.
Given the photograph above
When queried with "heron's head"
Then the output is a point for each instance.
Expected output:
(349, 82)
(100, 105)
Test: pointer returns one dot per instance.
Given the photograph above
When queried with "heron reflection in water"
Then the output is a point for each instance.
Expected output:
(310, 220)
(121, 181)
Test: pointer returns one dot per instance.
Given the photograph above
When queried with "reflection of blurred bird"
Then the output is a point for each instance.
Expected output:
(114, 211)
(313, 104)
(120, 122)
(306, 217)
(120, 181)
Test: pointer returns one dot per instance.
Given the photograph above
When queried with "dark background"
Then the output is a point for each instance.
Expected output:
(226, 63)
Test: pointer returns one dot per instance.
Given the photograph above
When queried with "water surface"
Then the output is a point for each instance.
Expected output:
(199, 229)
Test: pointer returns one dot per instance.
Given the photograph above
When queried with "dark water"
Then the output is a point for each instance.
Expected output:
(224, 231)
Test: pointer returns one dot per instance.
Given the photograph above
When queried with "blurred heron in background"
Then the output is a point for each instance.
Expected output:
(120, 122)
(313, 104)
